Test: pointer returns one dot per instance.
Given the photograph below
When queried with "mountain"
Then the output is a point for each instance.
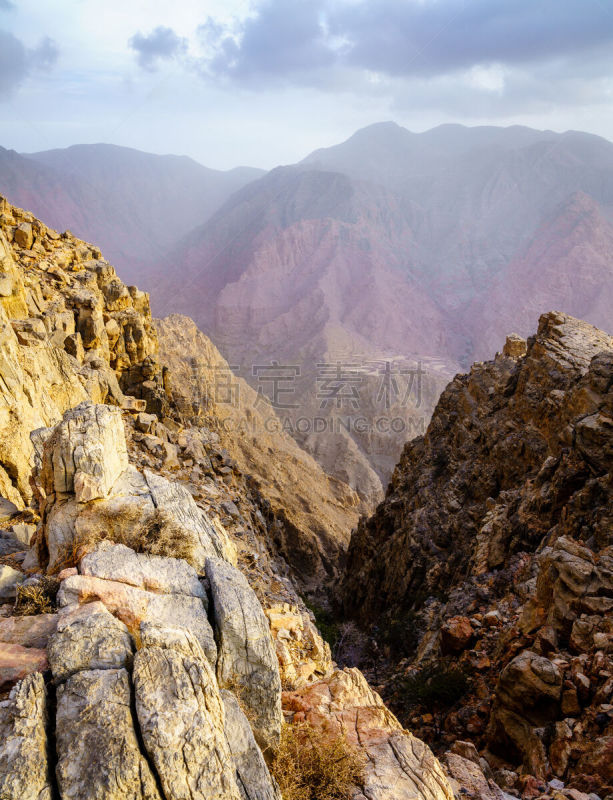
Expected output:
(389, 255)
(403, 248)
(487, 571)
(309, 269)
(131, 204)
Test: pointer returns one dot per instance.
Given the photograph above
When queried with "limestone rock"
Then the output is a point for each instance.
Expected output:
(23, 235)
(86, 453)
(88, 637)
(24, 774)
(246, 662)
(116, 562)
(181, 718)
(252, 776)
(97, 747)
(133, 606)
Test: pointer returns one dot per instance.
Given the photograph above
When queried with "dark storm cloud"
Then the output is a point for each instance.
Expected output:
(284, 37)
(411, 38)
(161, 44)
(17, 61)
(407, 38)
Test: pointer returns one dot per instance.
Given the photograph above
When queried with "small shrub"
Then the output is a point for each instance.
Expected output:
(38, 598)
(310, 766)
(157, 534)
(401, 634)
(438, 687)
(327, 626)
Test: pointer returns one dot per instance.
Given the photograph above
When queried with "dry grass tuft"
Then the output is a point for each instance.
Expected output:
(37, 599)
(310, 766)
(157, 534)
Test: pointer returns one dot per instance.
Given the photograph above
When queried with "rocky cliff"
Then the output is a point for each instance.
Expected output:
(153, 641)
(488, 567)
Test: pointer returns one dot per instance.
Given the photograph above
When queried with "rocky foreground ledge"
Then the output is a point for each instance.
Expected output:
(159, 677)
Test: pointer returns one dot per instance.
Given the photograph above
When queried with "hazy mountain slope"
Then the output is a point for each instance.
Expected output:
(131, 204)
(312, 268)
(398, 244)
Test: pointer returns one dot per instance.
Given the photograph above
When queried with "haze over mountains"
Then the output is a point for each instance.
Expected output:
(391, 246)
(133, 205)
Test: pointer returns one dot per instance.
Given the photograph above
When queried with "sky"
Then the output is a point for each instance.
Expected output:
(265, 82)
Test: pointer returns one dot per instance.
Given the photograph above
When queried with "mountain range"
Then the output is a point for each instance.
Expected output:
(415, 250)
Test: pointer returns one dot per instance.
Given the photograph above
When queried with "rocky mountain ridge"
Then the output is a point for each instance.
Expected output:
(488, 566)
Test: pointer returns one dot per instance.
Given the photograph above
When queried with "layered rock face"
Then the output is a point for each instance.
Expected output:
(70, 331)
(491, 555)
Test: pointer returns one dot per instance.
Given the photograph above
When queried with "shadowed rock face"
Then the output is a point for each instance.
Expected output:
(494, 545)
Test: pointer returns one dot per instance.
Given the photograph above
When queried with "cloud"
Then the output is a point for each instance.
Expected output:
(17, 61)
(491, 50)
(6, 5)
(438, 37)
(45, 54)
(162, 44)
(408, 37)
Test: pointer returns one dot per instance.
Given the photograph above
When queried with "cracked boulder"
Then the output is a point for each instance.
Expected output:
(181, 717)
(246, 663)
(88, 637)
(98, 752)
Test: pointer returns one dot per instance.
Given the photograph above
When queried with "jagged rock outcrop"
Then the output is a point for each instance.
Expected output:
(491, 555)
(70, 330)
(84, 460)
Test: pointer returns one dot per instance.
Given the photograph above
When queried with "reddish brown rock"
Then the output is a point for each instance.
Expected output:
(16, 662)
(456, 634)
